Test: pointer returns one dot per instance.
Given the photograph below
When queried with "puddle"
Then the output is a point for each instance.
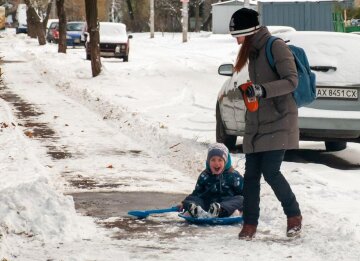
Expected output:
(110, 209)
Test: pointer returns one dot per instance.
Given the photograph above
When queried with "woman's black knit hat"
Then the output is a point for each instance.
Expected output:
(244, 22)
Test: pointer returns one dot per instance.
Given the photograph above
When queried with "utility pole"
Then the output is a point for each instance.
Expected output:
(152, 19)
(185, 19)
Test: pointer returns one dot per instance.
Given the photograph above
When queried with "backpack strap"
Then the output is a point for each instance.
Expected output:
(269, 54)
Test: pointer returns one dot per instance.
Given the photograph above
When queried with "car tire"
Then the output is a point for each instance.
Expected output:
(335, 145)
(126, 58)
(221, 136)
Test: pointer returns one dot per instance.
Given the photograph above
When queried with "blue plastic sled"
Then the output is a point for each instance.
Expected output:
(146, 213)
(212, 221)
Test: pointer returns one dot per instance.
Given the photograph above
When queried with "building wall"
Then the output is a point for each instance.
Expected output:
(303, 16)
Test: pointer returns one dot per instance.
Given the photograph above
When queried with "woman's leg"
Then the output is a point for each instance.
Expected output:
(270, 167)
(251, 190)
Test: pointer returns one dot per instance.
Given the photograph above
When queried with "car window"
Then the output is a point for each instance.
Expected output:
(53, 25)
(75, 27)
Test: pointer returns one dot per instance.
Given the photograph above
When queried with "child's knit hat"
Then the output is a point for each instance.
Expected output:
(217, 149)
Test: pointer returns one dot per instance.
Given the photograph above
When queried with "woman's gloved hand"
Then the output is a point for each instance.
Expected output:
(255, 90)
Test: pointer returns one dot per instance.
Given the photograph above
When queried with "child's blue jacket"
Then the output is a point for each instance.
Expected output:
(215, 188)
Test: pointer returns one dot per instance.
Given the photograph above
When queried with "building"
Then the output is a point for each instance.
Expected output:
(222, 12)
(303, 15)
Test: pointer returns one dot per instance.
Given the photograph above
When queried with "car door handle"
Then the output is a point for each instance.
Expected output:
(320, 68)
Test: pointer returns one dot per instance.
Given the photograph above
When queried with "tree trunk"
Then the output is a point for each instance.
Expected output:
(62, 25)
(34, 24)
(197, 16)
(31, 31)
(131, 12)
(207, 15)
(93, 29)
(48, 10)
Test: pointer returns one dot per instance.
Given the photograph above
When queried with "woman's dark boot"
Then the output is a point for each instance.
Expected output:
(247, 232)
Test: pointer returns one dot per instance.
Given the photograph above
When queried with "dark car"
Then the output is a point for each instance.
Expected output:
(73, 33)
(114, 41)
(52, 35)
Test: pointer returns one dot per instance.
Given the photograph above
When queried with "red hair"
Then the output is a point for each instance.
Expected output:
(243, 55)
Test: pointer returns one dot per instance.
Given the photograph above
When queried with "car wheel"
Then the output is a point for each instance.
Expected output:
(126, 58)
(335, 145)
(221, 136)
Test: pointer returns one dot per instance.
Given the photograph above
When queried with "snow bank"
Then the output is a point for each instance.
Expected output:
(30, 205)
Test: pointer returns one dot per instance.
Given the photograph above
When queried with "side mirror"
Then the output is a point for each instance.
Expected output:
(130, 36)
(226, 69)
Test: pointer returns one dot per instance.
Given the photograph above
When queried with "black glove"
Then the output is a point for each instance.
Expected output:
(255, 90)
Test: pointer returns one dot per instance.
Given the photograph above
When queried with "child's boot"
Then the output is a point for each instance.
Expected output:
(214, 209)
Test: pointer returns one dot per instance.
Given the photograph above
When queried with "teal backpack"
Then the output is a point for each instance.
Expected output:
(305, 92)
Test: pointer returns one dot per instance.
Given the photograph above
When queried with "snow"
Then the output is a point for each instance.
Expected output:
(160, 105)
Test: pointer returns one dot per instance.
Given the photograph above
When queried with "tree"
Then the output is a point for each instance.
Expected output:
(35, 28)
(115, 11)
(93, 30)
(136, 15)
(48, 10)
(197, 15)
(62, 25)
(168, 15)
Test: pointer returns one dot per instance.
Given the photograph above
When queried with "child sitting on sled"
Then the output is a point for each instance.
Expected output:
(218, 191)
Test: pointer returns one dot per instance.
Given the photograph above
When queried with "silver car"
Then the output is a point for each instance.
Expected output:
(334, 117)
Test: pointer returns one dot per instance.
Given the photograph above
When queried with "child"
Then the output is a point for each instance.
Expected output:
(218, 191)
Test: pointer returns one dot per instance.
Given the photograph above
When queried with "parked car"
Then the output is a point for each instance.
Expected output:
(50, 21)
(21, 19)
(73, 33)
(355, 22)
(114, 41)
(52, 35)
(334, 117)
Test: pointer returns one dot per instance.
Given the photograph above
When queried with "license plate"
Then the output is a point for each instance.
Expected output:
(107, 54)
(77, 40)
(336, 93)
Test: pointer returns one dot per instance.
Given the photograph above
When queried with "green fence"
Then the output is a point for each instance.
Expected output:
(338, 22)
(350, 29)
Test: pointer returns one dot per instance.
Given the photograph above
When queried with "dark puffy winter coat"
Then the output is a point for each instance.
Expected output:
(214, 188)
(274, 126)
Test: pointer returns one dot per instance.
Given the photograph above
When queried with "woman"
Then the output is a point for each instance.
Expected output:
(273, 128)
